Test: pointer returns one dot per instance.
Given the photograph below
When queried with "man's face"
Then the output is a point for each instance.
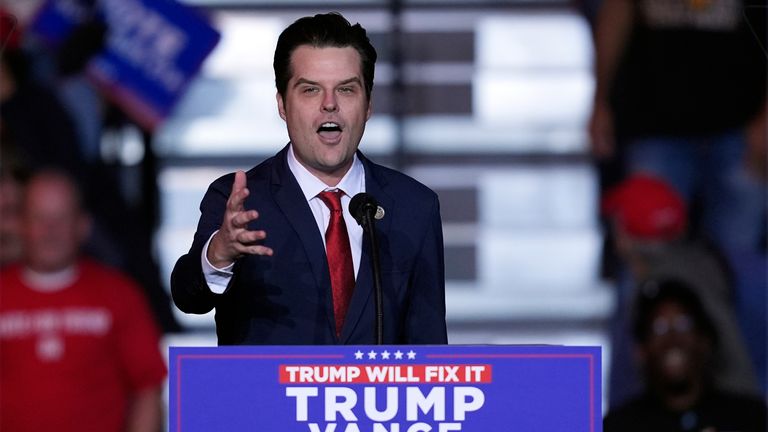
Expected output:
(325, 109)
(53, 226)
(675, 352)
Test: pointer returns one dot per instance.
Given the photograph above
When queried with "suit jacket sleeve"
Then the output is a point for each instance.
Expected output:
(188, 286)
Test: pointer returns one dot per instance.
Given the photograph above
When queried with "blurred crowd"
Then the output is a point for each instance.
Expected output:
(53, 117)
(82, 305)
(678, 132)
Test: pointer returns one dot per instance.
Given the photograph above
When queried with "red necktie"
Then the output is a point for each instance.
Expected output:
(339, 257)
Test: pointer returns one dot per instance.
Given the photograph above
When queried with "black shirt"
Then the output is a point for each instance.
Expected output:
(691, 68)
(718, 410)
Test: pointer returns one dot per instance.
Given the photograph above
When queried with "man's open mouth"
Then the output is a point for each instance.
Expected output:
(329, 131)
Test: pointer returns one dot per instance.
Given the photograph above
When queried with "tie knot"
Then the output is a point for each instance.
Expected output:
(332, 199)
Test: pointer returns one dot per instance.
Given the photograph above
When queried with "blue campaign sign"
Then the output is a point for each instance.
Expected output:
(385, 388)
(153, 49)
(55, 19)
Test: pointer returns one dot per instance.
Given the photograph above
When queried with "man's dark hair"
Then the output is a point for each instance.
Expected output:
(654, 292)
(323, 31)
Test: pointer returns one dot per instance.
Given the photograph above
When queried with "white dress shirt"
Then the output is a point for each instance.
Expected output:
(351, 184)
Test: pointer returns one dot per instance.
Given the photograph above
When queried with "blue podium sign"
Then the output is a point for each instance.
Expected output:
(385, 388)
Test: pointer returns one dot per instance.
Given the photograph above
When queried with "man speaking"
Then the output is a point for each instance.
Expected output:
(277, 252)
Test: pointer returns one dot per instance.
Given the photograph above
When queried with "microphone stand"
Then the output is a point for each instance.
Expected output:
(369, 227)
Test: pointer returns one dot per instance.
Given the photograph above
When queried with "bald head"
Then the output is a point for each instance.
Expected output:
(53, 222)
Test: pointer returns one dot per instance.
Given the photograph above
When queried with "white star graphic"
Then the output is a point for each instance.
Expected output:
(411, 355)
(358, 355)
(372, 355)
(398, 355)
(385, 355)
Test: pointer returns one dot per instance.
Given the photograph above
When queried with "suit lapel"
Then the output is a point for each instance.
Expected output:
(290, 199)
(376, 186)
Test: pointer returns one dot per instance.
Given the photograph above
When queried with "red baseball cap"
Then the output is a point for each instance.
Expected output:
(646, 207)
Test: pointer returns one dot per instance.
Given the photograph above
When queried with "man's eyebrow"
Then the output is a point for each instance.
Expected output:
(302, 81)
(355, 80)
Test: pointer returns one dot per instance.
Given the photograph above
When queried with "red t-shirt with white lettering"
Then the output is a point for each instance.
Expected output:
(70, 359)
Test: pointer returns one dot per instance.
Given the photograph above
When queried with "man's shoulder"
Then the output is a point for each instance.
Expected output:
(99, 275)
(112, 286)
(9, 270)
(398, 180)
(257, 173)
(10, 277)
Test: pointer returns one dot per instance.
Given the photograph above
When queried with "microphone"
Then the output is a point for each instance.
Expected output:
(366, 210)
(362, 204)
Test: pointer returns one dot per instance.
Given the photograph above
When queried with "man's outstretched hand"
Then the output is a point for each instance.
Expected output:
(234, 239)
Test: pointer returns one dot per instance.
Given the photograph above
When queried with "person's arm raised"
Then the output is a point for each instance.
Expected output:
(612, 32)
(234, 239)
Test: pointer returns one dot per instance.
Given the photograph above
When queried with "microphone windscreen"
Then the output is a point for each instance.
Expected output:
(361, 203)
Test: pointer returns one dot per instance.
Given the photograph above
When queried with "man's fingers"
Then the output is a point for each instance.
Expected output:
(241, 219)
(254, 249)
(237, 199)
(259, 250)
(246, 238)
(239, 182)
(239, 192)
(242, 241)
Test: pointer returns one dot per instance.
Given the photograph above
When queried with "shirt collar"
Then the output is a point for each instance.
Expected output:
(49, 282)
(351, 184)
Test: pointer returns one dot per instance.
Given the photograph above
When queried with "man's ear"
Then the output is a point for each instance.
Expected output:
(370, 109)
(280, 105)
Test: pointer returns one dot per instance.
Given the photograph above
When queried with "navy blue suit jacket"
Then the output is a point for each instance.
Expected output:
(286, 298)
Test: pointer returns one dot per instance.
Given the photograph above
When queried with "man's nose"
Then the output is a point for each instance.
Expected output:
(329, 102)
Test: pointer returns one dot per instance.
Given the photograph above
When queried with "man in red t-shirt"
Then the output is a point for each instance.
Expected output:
(79, 350)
